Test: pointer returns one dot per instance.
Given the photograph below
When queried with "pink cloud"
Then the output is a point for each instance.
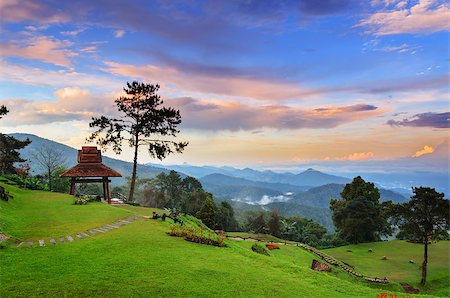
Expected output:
(233, 116)
(214, 115)
(226, 85)
(29, 10)
(427, 16)
(40, 48)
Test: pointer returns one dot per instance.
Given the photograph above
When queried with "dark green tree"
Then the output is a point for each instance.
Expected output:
(143, 121)
(60, 184)
(257, 223)
(9, 147)
(274, 224)
(208, 213)
(425, 216)
(173, 190)
(359, 215)
(225, 217)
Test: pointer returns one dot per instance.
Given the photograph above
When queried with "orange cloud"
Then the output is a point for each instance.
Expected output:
(357, 156)
(426, 150)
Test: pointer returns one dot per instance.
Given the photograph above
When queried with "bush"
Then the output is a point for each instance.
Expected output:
(259, 249)
(28, 182)
(80, 201)
(197, 235)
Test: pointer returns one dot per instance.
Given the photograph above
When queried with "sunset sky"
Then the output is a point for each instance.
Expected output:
(257, 82)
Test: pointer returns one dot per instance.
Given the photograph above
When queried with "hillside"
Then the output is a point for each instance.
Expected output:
(140, 259)
(397, 266)
(70, 156)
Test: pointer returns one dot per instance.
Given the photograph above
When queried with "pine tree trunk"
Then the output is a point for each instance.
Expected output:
(425, 261)
(133, 176)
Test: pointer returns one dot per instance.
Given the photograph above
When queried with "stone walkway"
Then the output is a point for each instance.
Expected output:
(83, 234)
(326, 258)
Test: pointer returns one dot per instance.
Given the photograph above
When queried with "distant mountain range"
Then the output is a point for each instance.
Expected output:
(305, 194)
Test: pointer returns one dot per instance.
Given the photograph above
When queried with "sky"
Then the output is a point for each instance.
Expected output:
(257, 82)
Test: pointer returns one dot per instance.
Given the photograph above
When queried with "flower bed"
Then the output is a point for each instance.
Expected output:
(271, 246)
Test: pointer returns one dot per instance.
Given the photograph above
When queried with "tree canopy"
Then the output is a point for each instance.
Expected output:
(9, 147)
(142, 121)
(425, 216)
(359, 216)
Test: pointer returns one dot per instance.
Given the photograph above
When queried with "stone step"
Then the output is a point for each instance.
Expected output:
(69, 238)
(41, 243)
(52, 241)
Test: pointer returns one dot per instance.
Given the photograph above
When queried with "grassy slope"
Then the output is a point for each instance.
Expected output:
(140, 259)
(397, 267)
(39, 214)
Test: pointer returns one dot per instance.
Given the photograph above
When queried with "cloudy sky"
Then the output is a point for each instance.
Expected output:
(257, 82)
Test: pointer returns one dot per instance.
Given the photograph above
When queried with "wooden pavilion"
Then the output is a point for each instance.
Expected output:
(91, 170)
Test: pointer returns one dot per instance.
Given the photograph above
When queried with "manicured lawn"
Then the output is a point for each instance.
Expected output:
(40, 214)
(141, 260)
(397, 266)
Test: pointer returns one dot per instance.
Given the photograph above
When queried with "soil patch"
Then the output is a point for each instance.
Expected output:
(409, 289)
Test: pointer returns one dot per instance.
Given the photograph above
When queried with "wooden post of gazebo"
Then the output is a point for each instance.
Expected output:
(91, 170)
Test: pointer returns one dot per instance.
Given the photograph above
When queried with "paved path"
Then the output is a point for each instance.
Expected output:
(83, 234)
(324, 257)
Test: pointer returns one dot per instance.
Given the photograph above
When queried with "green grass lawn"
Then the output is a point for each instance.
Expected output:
(141, 260)
(35, 214)
(397, 267)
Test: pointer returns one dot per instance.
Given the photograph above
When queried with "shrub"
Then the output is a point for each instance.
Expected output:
(272, 246)
(80, 201)
(197, 235)
(259, 249)
(28, 182)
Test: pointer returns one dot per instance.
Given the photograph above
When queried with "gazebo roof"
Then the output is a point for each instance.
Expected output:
(89, 165)
(91, 170)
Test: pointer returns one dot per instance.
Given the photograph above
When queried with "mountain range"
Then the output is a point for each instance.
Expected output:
(305, 194)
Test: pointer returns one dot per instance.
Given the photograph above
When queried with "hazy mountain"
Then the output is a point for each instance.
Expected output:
(312, 177)
(243, 190)
(308, 178)
(70, 158)
(320, 196)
